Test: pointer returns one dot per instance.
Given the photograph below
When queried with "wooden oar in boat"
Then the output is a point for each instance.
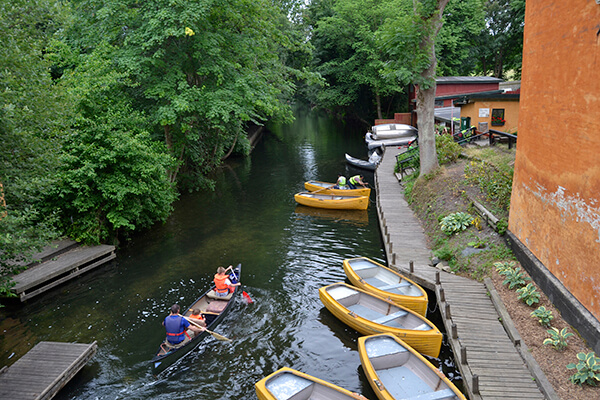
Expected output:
(325, 188)
(215, 334)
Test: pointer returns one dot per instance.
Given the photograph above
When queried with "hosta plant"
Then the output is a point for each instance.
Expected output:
(456, 222)
(503, 266)
(558, 339)
(514, 277)
(528, 294)
(543, 315)
(588, 369)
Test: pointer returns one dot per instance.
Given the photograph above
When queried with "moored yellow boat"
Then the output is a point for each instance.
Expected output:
(331, 201)
(373, 277)
(370, 314)
(287, 383)
(396, 371)
(326, 188)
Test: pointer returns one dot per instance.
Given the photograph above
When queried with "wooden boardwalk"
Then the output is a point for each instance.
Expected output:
(60, 264)
(44, 370)
(493, 361)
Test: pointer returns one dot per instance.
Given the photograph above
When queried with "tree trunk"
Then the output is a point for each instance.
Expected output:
(378, 99)
(426, 96)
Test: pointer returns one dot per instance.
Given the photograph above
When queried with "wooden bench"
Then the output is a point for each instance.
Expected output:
(390, 317)
(439, 395)
(394, 286)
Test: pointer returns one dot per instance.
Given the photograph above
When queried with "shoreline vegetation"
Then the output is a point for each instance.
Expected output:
(464, 244)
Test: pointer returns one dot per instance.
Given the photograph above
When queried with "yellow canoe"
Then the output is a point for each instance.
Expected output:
(370, 314)
(373, 277)
(323, 187)
(287, 383)
(396, 371)
(331, 201)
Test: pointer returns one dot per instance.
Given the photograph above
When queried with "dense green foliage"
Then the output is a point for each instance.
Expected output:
(109, 108)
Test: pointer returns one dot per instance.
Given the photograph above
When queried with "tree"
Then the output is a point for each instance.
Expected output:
(349, 53)
(113, 177)
(411, 44)
(202, 71)
(33, 115)
(500, 43)
(456, 43)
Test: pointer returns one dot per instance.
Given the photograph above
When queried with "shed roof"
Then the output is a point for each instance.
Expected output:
(442, 80)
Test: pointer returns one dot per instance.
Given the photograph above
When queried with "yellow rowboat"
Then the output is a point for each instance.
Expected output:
(288, 383)
(396, 371)
(373, 277)
(323, 187)
(332, 201)
(370, 314)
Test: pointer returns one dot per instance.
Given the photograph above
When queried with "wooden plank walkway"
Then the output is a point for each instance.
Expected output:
(494, 364)
(44, 370)
(60, 267)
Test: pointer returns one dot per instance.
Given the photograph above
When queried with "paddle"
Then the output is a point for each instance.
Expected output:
(326, 187)
(215, 334)
(247, 297)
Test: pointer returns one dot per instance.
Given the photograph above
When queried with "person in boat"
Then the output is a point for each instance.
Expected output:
(224, 286)
(355, 181)
(198, 317)
(178, 328)
(340, 183)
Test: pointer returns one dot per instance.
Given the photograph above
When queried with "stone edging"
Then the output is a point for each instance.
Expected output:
(521, 347)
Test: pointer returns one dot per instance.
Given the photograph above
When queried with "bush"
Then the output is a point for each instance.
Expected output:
(544, 316)
(514, 277)
(588, 369)
(456, 222)
(447, 149)
(495, 184)
(558, 339)
(529, 294)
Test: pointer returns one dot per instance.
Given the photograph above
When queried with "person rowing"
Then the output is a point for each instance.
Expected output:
(178, 328)
(223, 285)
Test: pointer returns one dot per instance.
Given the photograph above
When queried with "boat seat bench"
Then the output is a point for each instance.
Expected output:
(390, 317)
(439, 395)
(394, 286)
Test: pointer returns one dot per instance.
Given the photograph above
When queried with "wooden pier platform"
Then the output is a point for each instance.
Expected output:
(61, 262)
(493, 361)
(44, 370)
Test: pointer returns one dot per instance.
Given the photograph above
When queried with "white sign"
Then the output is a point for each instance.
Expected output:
(484, 112)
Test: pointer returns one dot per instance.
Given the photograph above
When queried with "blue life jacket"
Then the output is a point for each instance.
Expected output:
(176, 327)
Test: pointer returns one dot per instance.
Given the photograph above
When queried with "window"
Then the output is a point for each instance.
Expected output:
(498, 117)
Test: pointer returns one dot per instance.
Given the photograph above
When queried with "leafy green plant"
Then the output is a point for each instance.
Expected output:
(501, 227)
(514, 277)
(503, 266)
(444, 253)
(528, 294)
(543, 315)
(588, 369)
(558, 339)
(479, 244)
(456, 222)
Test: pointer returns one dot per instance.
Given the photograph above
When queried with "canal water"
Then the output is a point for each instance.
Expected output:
(287, 252)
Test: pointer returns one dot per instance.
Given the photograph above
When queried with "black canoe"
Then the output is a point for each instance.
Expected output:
(213, 310)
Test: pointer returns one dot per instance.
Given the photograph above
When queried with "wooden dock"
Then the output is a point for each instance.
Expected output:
(61, 262)
(493, 361)
(44, 370)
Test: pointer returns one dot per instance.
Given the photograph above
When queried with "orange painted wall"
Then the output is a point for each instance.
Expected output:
(555, 205)
(511, 113)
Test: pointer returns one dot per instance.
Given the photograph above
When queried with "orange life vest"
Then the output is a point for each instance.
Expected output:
(197, 316)
(221, 286)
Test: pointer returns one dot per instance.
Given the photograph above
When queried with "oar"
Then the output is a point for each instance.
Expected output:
(326, 187)
(215, 334)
